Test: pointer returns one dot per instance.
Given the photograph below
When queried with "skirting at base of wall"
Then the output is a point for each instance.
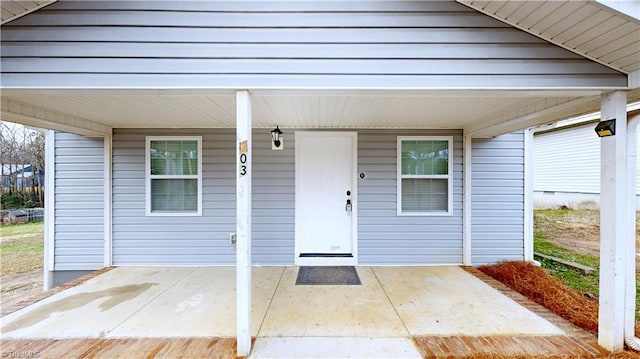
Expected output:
(60, 277)
(551, 200)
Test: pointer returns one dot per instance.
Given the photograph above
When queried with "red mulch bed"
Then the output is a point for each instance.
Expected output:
(541, 287)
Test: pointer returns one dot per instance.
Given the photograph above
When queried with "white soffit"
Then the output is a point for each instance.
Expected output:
(13, 9)
(296, 111)
(588, 28)
(481, 113)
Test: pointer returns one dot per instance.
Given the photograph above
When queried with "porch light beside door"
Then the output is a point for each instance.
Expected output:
(276, 134)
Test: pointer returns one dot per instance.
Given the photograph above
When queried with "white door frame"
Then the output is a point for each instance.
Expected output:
(327, 261)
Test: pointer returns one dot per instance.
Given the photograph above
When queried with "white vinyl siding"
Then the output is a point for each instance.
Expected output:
(277, 44)
(173, 176)
(568, 160)
(424, 175)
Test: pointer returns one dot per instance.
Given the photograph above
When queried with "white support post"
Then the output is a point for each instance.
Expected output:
(243, 222)
(613, 198)
(107, 201)
(630, 266)
(49, 208)
(466, 214)
(528, 194)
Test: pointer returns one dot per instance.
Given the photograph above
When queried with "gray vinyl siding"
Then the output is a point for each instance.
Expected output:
(383, 236)
(497, 199)
(79, 202)
(237, 44)
(138, 239)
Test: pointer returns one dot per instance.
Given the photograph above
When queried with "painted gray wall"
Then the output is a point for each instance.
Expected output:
(239, 44)
(497, 208)
(384, 238)
(79, 202)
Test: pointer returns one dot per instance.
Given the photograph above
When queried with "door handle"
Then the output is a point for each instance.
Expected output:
(348, 206)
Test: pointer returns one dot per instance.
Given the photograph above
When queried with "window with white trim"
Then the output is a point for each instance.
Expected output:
(174, 175)
(425, 182)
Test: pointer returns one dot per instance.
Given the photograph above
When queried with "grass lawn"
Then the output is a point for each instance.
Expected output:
(578, 229)
(574, 277)
(21, 247)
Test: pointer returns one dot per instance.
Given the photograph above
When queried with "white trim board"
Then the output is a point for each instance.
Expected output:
(108, 201)
(49, 209)
(198, 177)
(448, 176)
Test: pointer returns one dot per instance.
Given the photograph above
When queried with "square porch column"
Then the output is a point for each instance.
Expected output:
(613, 218)
(243, 222)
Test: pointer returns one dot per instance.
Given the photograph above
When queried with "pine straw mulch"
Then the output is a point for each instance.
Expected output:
(541, 287)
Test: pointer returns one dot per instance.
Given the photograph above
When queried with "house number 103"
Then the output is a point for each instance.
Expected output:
(244, 148)
(243, 164)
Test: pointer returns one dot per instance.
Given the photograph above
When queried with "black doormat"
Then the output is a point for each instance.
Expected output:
(345, 275)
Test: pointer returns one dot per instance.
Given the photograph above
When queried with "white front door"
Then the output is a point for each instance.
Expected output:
(325, 198)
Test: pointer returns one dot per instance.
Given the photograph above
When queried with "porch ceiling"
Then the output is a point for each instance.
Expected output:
(485, 113)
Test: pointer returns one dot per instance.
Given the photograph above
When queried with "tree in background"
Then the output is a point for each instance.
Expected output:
(21, 152)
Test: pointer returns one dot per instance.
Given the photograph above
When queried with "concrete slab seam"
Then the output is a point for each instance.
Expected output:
(384, 290)
(264, 317)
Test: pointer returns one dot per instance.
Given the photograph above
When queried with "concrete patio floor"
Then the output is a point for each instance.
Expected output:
(381, 316)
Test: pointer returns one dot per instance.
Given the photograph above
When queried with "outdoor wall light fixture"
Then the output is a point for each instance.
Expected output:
(276, 137)
(606, 128)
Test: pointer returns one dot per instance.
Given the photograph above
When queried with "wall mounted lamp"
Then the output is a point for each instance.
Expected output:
(277, 139)
(606, 128)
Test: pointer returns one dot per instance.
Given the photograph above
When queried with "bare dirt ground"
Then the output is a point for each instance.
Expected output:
(21, 260)
(18, 287)
(578, 230)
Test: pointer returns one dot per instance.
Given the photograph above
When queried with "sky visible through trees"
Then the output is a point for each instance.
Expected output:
(22, 163)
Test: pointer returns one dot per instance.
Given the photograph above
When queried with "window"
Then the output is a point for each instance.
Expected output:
(424, 175)
(174, 176)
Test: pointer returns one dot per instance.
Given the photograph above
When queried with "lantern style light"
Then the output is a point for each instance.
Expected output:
(276, 137)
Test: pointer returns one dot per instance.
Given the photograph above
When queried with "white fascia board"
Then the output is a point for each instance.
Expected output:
(17, 112)
(308, 91)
